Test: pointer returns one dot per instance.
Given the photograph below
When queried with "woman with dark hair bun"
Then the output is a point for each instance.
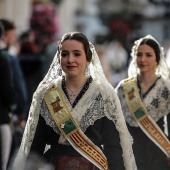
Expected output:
(76, 111)
(145, 100)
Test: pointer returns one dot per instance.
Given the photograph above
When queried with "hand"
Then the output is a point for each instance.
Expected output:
(19, 120)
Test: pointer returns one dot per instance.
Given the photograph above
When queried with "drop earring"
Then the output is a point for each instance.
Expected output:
(87, 70)
(155, 66)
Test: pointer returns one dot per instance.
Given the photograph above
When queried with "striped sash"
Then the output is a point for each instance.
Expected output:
(140, 114)
(70, 129)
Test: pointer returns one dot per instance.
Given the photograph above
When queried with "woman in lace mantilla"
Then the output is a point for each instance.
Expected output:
(93, 104)
(149, 69)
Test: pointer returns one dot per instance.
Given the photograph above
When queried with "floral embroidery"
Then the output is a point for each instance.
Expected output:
(165, 93)
(155, 103)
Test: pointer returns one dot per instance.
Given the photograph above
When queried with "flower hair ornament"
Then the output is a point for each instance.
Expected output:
(162, 68)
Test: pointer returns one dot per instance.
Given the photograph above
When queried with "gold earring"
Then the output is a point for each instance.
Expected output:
(155, 66)
(87, 70)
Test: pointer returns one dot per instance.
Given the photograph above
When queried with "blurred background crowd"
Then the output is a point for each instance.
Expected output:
(112, 26)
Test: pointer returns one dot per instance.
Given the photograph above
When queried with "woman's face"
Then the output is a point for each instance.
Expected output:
(73, 58)
(10, 37)
(146, 59)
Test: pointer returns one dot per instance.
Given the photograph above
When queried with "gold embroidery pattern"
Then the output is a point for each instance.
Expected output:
(131, 94)
(56, 105)
(149, 126)
(89, 150)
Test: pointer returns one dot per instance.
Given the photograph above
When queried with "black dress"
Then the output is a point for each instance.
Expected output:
(147, 154)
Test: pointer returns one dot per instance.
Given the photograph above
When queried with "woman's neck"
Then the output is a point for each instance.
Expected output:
(147, 78)
(76, 82)
(146, 81)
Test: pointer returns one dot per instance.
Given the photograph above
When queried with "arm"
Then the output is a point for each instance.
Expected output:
(125, 138)
(7, 92)
(39, 141)
(111, 144)
(20, 87)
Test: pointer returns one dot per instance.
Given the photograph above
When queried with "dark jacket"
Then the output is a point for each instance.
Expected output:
(7, 92)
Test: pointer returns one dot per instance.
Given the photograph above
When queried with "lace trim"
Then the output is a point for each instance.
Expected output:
(157, 101)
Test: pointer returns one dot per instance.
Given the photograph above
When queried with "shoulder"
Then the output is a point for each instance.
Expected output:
(4, 60)
(121, 83)
(4, 54)
(166, 82)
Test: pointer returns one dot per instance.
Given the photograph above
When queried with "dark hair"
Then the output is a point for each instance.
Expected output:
(1, 30)
(7, 25)
(154, 45)
(78, 36)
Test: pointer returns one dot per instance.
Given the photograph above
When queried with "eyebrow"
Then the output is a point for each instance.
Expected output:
(73, 51)
(77, 51)
(145, 52)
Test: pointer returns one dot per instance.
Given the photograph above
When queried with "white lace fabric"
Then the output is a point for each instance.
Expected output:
(99, 87)
(157, 101)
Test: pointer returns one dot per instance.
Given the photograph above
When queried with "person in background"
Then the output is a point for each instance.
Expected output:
(116, 58)
(8, 100)
(145, 100)
(38, 46)
(45, 27)
(76, 112)
(18, 116)
(32, 64)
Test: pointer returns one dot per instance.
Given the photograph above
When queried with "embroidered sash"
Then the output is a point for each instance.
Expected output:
(140, 114)
(70, 129)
